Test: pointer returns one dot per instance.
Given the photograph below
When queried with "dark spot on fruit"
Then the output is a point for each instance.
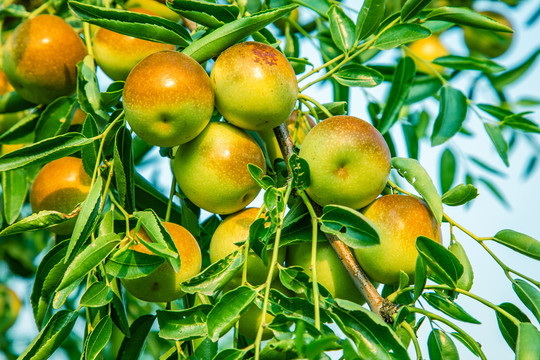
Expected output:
(265, 56)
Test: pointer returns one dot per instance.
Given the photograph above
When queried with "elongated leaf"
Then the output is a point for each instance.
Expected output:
(139, 25)
(512, 75)
(465, 281)
(529, 296)
(495, 134)
(519, 242)
(401, 82)
(412, 7)
(98, 294)
(51, 337)
(14, 188)
(464, 16)
(358, 75)
(528, 342)
(132, 346)
(448, 170)
(228, 310)
(415, 174)
(508, 329)
(183, 325)
(470, 343)
(54, 119)
(88, 93)
(300, 176)
(341, 29)
(89, 152)
(98, 338)
(468, 63)
(349, 225)
(44, 151)
(452, 113)
(205, 13)
(439, 259)
(89, 258)
(459, 195)
(124, 169)
(441, 346)
(41, 220)
(422, 88)
(369, 18)
(448, 307)
(12, 102)
(401, 34)
(129, 264)
(229, 34)
(420, 278)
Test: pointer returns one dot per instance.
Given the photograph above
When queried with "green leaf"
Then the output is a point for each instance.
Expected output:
(412, 7)
(183, 325)
(353, 75)
(468, 63)
(341, 29)
(320, 6)
(369, 18)
(349, 225)
(89, 258)
(39, 221)
(335, 108)
(215, 276)
(439, 259)
(88, 93)
(119, 317)
(519, 242)
(44, 151)
(228, 309)
(422, 88)
(465, 282)
(54, 120)
(149, 197)
(300, 176)
(420, 278)
(230, 354)
(448, 307)
(441, 346)
(459, 195)
(143, 26)
(452, 113)
(495, 134)
(14, 189)
(401, 82)
(129, 264)
(510, 76)
(401, 34)
(257, 174)
(124, 169)
(132, 345)
(98, 338)
(415, 174)
(508, 329)
(12, 102)
(229, 34)
(89, 152)
(528, 342)
(51, 337)
(529, 296)
(448, 170)
(98, 294)
(205, 13)
(470, 343)
(464, 16)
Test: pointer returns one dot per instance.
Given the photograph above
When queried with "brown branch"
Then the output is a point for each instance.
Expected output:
(379, 305)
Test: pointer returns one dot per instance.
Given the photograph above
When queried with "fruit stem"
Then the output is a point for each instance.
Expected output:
(87, 39)
(40, 9)
(316, 103)
(102, 137)
(414, 339)
(427, 63)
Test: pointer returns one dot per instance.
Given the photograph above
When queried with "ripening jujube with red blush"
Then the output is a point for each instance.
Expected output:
(400, 219)
(60, 186)
(40, 58)
(168, 99)
(255, 86)
(163, 284)
(349, 162)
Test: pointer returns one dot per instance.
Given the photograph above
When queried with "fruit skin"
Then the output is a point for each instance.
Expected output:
(57, 46)
(60, 186)
(255, 86)
(168, 99)
(163, 284)
(349, 162)
(9, 307)
(211, 170)
(156, 7)
(428, 49)
(235, 229)
(488, 43)
(400, 219)
(116, 54)
(330, 271)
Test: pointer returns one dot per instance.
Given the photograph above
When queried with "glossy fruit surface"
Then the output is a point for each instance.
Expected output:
(168, 99)
(255, 86)
(211, 170)
(158, 7)
(349, 162)
(400, 219)
(60, 186)
(428, 49)
(487, 42)
(40, 58)
(117, 54)
(235, 229)
(9, 307)
(330, 271)
(163, 284)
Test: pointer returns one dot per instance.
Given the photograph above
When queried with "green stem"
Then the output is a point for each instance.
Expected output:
(88, 39)
(311, 108)
(40, 9)
(169, 202)
(123, 211)
(427, 63)
(102, 137)
(107, 186)
(414, 339)
(313, 101)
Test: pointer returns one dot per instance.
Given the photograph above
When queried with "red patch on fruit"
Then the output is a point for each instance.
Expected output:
(265, 56)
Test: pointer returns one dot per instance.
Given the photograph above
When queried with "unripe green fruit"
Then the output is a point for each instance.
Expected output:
(9, 307)
(349, 162)
(163, 284)
(255, 86)
(168, 99)
(40, 58)
(235, 229)
(400, 219)
(211, 170)
(488, 43)
(60, 186)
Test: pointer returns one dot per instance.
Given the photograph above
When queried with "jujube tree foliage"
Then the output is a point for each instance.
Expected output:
(121, 268)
